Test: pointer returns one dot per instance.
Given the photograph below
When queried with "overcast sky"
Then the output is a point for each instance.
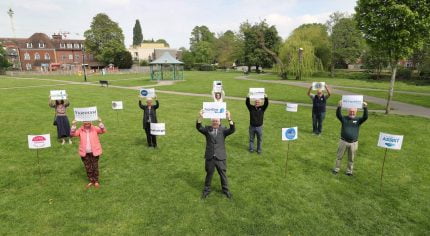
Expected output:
(172, 20)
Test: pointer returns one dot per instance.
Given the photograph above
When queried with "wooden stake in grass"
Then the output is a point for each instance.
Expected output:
(37, 142)
(286, 159)
(388, 141)
(289, 134)
(38, 163)
(383, 163)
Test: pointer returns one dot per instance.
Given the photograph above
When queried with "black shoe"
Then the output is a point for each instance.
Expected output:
(205, 194)
(334, 172)
(349, 174)
(228, 194)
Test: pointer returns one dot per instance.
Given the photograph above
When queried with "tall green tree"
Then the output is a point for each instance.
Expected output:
(201, 33)
(331, 22)
(395, 26)
(227, 49)
(137, 34)
(4, 63)
(104, 38)
(202, 45)
(376, 60)
(123, 60)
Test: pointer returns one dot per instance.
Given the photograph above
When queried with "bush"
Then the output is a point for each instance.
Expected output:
(123, 60)
(204, 67)
(144, 63)
(404, 74)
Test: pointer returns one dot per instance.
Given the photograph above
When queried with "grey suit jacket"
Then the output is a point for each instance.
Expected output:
(215, 146)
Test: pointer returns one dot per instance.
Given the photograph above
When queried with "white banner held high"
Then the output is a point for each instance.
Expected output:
(318, 85)
(289, 134)
(158, 128)
(86, 114)
(217, 86)
(292, 107)
(117, 105)
(39, 141)
(352, 101)
(58, 94)
(147, 92)
(256, 93)
(214, 110)
(390, 141)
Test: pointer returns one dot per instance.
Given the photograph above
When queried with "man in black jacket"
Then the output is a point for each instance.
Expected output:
(256, 117)
(215, 154)
(318, 108)
(149, 116)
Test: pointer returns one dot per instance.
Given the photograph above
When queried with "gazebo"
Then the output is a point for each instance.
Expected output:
(166, 68)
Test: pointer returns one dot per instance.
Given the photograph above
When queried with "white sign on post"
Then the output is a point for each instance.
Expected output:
(292, 107)
(58, 94)
(352, 101)
(39, 141)
(390, 141)
(217, 86)
(318, 85)
(147, 92)
(86, 114)
(214, 110)
(256, 93)
(158, 128)
(289, 134)
(117, 105)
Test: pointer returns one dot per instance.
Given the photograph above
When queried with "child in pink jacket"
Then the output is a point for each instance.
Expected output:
(90, 148)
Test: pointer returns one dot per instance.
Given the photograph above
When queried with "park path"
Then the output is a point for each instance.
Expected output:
(400, 108)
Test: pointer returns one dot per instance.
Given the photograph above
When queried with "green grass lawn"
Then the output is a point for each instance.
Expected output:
(153, 192)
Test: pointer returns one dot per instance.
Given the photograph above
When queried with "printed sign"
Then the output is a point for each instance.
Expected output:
(158, 128)
(58, 94)
(390, 141)
(39, 141)
(352, 101)
(256, 93)
(214, 110)
(318, 85)
(217, 86)
(117, 105)
(289, 134)
(292, 107)
(86, 114)
(147, 92)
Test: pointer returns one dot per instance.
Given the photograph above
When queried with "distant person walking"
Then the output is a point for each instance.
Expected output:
(256, 117)
(349, 136)
(149, 116)
(318, 109)
(61, 120)
(215, 154)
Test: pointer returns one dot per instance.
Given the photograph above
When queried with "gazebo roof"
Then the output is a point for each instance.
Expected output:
(166, 58)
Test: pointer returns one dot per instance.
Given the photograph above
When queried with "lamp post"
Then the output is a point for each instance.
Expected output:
(299, 77)
(83, 63)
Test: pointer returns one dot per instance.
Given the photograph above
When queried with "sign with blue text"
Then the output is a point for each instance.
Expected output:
(147, 92)
(352, 101)
(318, 85)
(390, 141)
(289, 134)
(86, 114)
(214, 110)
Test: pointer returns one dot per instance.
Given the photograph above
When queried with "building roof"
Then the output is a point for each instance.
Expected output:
(166, 58)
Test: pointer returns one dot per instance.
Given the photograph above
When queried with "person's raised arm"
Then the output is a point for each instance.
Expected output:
(51, 103)
(328, 91)
(232, 128)
(248, 102)
(74, 132)
(365, 113)
(266, 102)
(309, 92)
(157, 104)
(199, 126)
(339, 111)
(141, 105)
(101, 128)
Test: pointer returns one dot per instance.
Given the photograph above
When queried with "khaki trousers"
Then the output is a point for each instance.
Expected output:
(351, 148)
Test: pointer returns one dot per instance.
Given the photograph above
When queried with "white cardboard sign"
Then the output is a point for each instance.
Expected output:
(352, 101)
(214, 110)
(289, 134)
(256, 93)
(86, 114)
(217, 86)
(318, 85)
(39, 141)
(158, 128)
(292, 107)
(117, 105)
(58, 94)
(147, 92)
(390, 141)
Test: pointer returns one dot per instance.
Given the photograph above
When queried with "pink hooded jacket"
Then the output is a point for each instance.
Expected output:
(96, 147)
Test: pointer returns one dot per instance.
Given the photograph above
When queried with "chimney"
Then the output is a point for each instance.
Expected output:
(57, 36)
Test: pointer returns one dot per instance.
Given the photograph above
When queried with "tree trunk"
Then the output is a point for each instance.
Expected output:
(273, 54)
(332, 70)
(391, 91)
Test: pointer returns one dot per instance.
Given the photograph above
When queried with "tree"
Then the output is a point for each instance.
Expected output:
(162, 41)
(331, 22)
(201, 33)
(375, 59)
(227, 49)
(104, 39)
(137, 34)
(4, 63)
(202, 45)
(396, 27)
(123, 60)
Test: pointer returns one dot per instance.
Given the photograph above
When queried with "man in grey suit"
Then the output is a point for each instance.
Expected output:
(215, 154)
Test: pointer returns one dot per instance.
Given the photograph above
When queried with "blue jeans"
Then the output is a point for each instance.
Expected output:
(252, 132)
(317, 120)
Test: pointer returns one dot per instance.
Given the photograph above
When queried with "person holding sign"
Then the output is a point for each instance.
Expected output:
(61, 120)
(256, 116)
(90, 148)
(149, 116)
(349, 136)
(215, 154)
(318, 108)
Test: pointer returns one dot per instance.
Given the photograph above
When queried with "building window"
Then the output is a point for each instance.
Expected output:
(36, 56)
(28, 66)
(26, 56)
(64, 57)
(69, 45)
(29, 45)
(47, 57)
(62, 45)
(77, 56)
(70, 56)
(76, 45)
(41, 45)
(82, 46)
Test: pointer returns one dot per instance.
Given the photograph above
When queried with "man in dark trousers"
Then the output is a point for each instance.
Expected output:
(349, 136)
(149, 116)
(215, 154)
(256, 117)
(318, 109)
